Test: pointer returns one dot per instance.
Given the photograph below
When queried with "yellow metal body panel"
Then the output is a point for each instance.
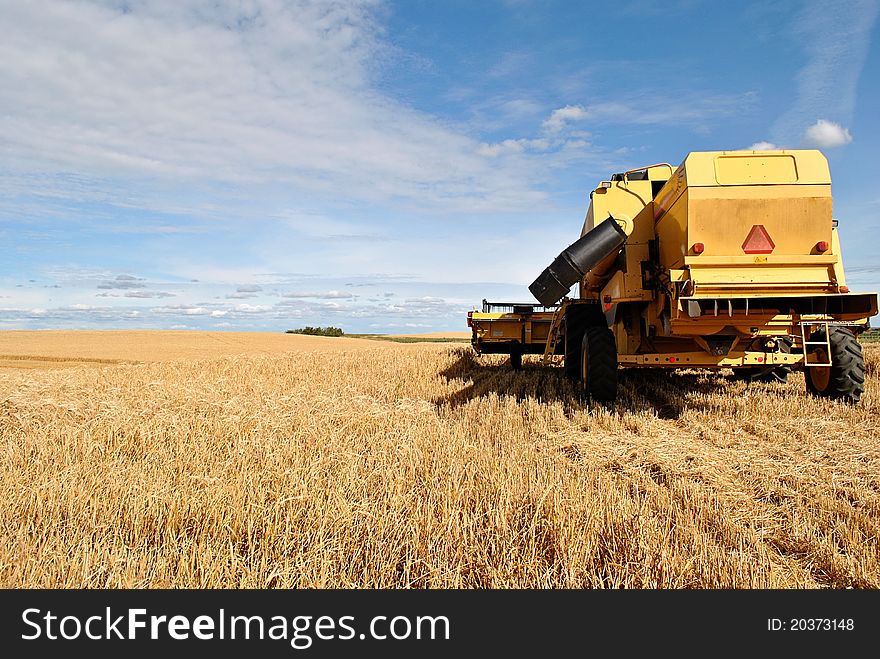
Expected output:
(796, 217)
(622, 200)
(838, 275)
(671, 229)
(751, 169)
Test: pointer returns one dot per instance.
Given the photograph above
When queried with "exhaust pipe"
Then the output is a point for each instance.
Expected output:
(598, 247)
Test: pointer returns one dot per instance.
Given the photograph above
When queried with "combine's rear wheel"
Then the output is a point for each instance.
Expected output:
(599, 364)
(845, 378)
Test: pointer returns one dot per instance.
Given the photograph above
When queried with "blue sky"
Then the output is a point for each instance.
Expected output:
(383, 166)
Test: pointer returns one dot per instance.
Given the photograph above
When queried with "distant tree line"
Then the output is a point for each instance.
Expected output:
(317, 331)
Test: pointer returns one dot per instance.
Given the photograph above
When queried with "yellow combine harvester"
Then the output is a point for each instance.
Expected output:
(732, 260)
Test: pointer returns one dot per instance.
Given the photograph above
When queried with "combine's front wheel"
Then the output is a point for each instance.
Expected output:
(516, 360)
(599, 364)
(845, 378)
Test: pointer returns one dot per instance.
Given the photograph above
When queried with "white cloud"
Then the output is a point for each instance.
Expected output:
(220, 91)
(560, 117)
(182, 309)
(252, 308)
(512, 146)
(762, 146)
(827, 135)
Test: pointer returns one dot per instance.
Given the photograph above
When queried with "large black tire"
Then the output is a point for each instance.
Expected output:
(577, 318)
(516, 360)
(574, 337)
(767, 373)
(844, 380)
(598, 366)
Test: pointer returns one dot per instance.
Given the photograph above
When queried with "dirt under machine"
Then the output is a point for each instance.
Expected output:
(731, 260)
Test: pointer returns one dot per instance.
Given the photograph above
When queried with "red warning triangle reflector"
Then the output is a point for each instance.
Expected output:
(758, 241)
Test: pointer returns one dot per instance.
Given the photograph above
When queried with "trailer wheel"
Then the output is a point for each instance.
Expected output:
(516, 360)
(845, 379)
(599, 365)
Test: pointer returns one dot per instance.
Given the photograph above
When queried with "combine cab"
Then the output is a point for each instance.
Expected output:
(732, 260)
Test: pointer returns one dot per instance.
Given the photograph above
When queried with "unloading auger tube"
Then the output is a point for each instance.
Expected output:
(599, 246)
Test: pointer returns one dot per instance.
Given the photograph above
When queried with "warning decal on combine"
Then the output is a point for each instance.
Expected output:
(758, 241)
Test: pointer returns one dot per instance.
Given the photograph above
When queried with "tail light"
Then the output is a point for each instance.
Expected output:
(699, 248)
(822, 246)
(470, 318)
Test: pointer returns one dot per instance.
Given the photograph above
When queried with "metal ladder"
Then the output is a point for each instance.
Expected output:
(553, 333)
(826, 343)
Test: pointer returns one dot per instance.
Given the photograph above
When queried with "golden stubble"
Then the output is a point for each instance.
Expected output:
(422, 466)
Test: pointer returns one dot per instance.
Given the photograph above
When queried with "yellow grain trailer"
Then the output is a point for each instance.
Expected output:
(731, 260)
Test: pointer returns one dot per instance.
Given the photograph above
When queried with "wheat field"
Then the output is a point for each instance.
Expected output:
(184, 460)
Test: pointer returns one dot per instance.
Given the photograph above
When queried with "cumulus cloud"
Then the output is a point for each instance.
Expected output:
(560, 117)
(827, 135)
(763, 146)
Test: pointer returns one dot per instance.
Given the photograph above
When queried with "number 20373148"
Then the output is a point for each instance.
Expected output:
(810, 624)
